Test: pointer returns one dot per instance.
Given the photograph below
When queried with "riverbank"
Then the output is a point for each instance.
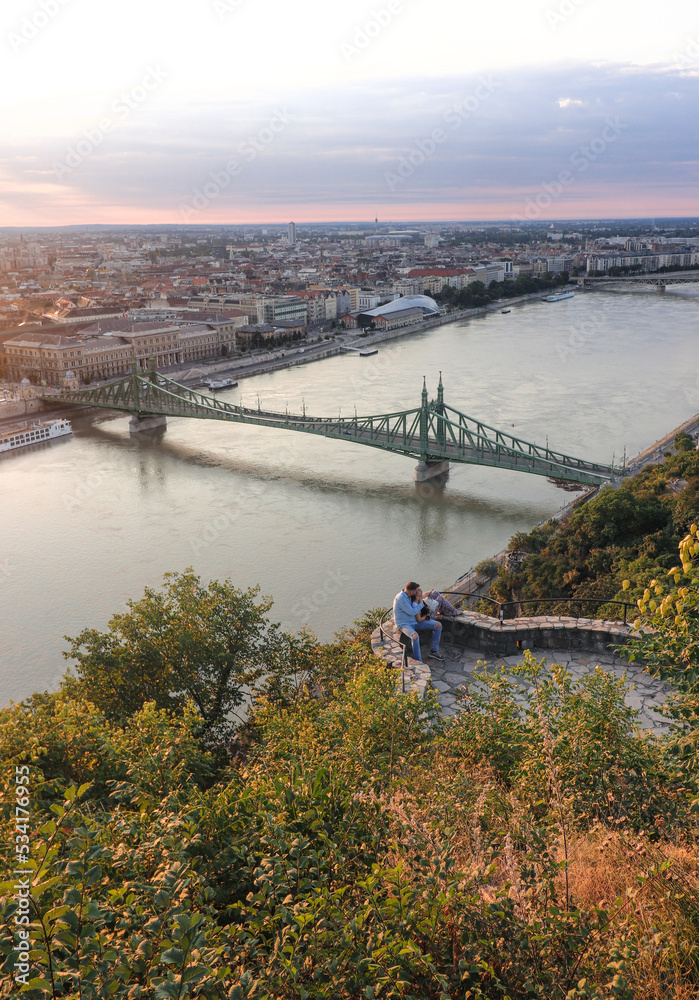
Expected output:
(435, 321)
(478, 584)
(242, 368)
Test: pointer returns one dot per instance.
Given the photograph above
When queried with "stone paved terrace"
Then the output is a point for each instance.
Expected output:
(644, 693)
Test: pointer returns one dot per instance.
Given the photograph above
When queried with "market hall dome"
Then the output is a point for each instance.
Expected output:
(429, 306)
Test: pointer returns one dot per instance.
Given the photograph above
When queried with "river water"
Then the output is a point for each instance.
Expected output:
(328, 528)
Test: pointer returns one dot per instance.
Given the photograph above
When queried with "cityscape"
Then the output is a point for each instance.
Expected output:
(90, 302)
(349, 500)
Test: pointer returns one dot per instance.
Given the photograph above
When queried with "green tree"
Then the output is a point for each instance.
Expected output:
(669, 642)
(182, 643)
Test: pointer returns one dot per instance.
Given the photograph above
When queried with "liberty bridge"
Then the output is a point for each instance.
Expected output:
(433, 433)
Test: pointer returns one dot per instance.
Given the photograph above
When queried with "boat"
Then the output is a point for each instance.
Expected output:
(505, 311)
(559, 296)
(564, 484)
(33, 432)
(368, 354)
(220, 383)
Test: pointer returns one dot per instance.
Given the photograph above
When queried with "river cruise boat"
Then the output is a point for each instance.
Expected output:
(559, 296)
(33, 432)
(220, 383)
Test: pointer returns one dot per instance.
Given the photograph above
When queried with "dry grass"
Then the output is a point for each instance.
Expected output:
(606, 869)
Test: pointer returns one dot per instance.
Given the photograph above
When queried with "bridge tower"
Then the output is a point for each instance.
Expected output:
(139, 421)
(430, 466)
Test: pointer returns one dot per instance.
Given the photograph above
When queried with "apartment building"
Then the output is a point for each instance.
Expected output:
(434, 279)
(643, 261)
(107, 350)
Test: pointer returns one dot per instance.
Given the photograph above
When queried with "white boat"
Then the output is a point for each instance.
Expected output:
(33, 432)
(559, 296)
(220, 383)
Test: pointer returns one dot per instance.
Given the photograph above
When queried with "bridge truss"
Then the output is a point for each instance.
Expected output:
(661, 280)
(432, 432)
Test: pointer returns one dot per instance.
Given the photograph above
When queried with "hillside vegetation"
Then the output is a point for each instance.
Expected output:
(628, 534)
(344, 841)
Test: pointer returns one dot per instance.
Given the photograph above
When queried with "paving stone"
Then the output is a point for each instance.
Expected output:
(470, 669)
(448, 712)
(451, 677)
(446, 700)
(658, 720)
(644, 692)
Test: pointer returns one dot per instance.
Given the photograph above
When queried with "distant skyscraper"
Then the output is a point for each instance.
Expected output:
(292, 233)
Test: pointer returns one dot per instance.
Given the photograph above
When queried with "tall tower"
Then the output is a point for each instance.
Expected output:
(292, 233)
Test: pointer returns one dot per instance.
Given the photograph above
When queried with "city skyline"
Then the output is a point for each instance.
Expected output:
(561, 110)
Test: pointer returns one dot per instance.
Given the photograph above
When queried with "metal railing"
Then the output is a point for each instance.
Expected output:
(502, 607)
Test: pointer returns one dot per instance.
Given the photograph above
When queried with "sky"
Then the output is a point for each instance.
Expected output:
(254, 111)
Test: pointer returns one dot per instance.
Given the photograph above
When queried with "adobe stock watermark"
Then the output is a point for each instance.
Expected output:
(691, 392)
(33, 24)
(217, 529)
(690, 56)
(454, 118)
(315, 601)
(248, 151)
(122, 108)
(556, 16)
(370, 30)
(86, 488)
(224, 8)
(581, 160)
(582, 333)
(5, 571)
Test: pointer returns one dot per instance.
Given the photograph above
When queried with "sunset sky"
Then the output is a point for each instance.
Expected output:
(237, 111)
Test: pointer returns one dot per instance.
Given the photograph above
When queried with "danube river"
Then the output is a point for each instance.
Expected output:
(328, 528)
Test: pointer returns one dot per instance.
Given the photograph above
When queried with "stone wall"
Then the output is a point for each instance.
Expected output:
(19, 408)
(489, 635)
(542, 632)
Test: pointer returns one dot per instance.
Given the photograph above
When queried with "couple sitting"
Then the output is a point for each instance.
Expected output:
(413, 613)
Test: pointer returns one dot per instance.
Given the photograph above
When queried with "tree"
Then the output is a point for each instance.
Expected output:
(184, 643)
(669, 642)
(684, 442)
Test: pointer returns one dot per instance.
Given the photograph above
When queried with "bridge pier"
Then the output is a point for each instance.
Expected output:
(425, 471)
(137, 424)
(662, 288)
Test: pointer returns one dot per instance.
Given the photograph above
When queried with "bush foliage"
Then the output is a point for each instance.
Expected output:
(347, 842)
(628, 534)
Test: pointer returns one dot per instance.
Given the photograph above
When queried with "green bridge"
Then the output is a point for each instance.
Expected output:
(433, 433)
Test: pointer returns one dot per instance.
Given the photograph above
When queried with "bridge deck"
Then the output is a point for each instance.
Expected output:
(432, 432)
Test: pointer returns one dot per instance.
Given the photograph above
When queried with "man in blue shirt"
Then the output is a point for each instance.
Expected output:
(407, 614)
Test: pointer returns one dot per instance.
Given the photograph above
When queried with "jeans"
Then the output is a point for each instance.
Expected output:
(429, 626)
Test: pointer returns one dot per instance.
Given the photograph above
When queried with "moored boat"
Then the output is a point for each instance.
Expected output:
(220, 383)
(33, 432)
